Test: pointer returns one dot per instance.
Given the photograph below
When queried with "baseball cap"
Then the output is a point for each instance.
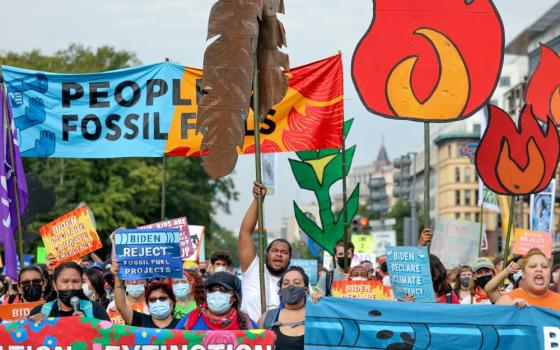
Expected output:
(224, 279)
(482, 263)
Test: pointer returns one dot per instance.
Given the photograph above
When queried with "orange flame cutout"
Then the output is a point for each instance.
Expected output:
(543, 90)
(517, 161)
(429, 60)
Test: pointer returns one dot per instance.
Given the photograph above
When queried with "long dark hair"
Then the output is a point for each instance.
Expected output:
(439, 276)
(98, 283)
(64, 266)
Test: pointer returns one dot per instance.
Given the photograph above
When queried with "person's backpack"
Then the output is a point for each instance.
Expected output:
(269, 318)
(328, 282)
(449, 298)
(86, 307)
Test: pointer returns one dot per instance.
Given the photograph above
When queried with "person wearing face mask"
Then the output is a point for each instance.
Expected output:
(93, 286)
(534, 290)
(288, 321)
(483, 270)
(222, 308)
(325, 284)
(134, 297)
(67, 281)
(188, 291)
(358, 273)
(158, 296)
(221, 261)
(30, 286)
(465, 286)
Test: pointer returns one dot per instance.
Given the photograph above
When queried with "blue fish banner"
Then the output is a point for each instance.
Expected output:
(148, 253)
(342, 324)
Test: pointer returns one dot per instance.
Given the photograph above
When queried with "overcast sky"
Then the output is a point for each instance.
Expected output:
(176, 29)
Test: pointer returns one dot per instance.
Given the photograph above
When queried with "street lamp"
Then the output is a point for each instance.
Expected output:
(413, 195)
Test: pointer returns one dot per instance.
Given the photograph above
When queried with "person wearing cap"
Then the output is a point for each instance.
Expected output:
(222, 308)
(278, 256)
(483, 270)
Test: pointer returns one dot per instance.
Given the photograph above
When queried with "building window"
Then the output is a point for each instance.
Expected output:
(467, 197)
(457, 216)
(448, 151)
(468, 174)
(505, 81)
(476, 197)
(457, 175)
(477, 217)
(457, 197)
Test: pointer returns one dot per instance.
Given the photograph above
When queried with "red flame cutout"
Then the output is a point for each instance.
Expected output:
(517, 161)
(474, 28)
(543, 91)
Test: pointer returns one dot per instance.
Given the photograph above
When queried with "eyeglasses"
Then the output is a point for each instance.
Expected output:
(162, 299)
(37, 281)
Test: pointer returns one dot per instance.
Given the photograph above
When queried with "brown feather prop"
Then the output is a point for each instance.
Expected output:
(245, 31)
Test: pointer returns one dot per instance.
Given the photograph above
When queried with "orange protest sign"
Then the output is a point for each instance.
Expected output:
(525, 240)
(373, 290)
(14, 312)
(71, 236)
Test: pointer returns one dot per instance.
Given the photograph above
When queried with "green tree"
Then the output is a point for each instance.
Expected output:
(222, 239)
(120, 192)
(399, 211)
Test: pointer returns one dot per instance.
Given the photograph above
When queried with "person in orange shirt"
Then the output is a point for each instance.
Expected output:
(534, 290)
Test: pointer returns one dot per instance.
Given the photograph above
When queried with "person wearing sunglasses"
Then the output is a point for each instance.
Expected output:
(221, 310)
(29, 286)
(159, 297)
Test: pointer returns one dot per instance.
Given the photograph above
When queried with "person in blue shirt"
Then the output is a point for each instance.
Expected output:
(221, 310)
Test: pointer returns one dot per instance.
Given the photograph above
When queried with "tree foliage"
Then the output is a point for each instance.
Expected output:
(121, 192)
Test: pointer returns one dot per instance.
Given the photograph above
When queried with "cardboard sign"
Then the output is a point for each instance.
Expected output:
(382, 239)
(185, 241)
(14, 312)
(309, 266)
(456, 242)
(71, 236)
(197, 239)
(542, 209)
(524, 240)
(359, 257)
(362, 243)
(373, 290)
(148, 253)
(409, 269)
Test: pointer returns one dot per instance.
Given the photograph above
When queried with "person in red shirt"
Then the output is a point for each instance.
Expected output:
(442, 289)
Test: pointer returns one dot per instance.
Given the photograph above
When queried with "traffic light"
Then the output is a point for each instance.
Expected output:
(360, 224)
(378, 199)
(402, 179)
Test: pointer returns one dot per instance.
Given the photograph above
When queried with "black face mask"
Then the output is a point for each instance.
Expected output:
(465, 281)
(340, 262)
(32, 292)
(292, 295)
(482, 281)
(65, 295)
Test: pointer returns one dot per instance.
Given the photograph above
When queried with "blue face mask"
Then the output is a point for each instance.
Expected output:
(218, 302)
(160, 309)
(181, 290)
(135, 290)
(517, 275)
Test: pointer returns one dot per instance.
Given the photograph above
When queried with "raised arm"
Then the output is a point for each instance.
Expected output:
(120, 296)
(245, 244)
(425, 237)
(492, 288)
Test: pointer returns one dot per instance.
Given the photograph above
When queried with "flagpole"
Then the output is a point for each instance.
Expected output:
(509, 229)
(164, 180)
(258, 173)
(13, 166)
(481, 224)
(427, 176)
(344, 203)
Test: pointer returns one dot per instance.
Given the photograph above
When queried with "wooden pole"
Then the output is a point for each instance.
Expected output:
(344, 208)
(427, 176)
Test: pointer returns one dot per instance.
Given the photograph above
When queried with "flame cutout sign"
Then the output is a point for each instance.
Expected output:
(429, 60)
(543, 90)
(515, 160)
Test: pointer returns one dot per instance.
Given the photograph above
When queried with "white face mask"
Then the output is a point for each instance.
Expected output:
(220, 268)
(87, 290)
(358, 278)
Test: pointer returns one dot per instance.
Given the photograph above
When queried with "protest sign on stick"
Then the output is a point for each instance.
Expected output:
(197, 238)
(309, 266)
(409, 269)
(542, 209)
(456, 242)
(14, 312)
(71, 236)
(148, 253)
(185, 238)
(373, 290)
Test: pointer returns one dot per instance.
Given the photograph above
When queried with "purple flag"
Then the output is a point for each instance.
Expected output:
(8, 219)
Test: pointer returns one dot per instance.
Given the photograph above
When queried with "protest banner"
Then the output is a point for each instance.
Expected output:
(185, 242)
(456, 242)
(41, 255)
(72, 333)
(359, 257)
(524, 240)
(71, 236)
(335, 323)
(309, 266)
(151, 110)
(373, 290)
(14, 312)
(542, 209)
(268, 165)
(409, 270)
(362, 243)
(148, 253)
(197, 240)
(487, 199)
(382, 239)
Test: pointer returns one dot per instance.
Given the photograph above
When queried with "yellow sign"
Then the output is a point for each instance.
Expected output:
(362, 243)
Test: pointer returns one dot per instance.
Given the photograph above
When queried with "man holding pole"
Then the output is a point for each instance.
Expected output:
(278, 255)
